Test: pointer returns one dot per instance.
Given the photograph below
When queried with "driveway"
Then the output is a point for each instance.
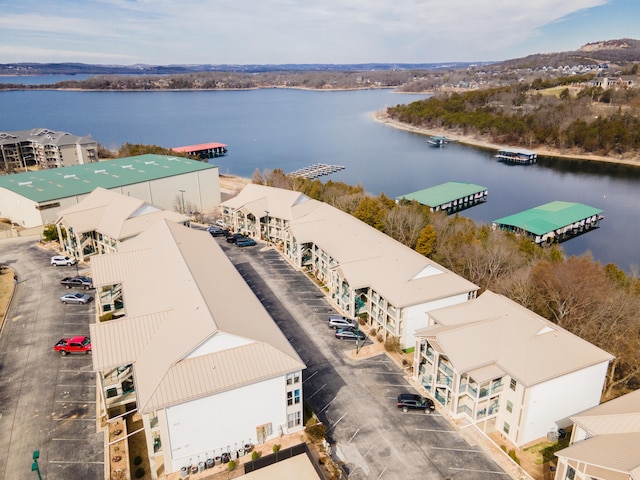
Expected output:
(47, 402)
(356, 399)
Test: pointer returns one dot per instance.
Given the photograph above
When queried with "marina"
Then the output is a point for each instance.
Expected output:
(203, 151)
(518, 156)
(316, 170)
(552, 222)
(449, 197)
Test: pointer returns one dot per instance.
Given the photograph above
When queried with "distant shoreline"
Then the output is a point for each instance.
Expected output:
(381, 116)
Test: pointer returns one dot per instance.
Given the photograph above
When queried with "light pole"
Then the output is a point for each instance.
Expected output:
(182, 194)
(266, 230)
(34, 465)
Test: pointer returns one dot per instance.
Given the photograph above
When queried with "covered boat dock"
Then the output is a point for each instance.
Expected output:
(203, 151)
(449, 197)
(520, 156)
(552, 222)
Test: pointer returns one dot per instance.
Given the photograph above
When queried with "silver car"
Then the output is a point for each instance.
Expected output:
(338, 321)
(62, 260)
(75, 297)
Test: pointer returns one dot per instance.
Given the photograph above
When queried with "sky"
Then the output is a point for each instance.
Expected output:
(166, 32)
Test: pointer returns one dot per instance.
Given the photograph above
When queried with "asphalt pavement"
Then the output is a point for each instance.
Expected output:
(356, 398)
(47, 402)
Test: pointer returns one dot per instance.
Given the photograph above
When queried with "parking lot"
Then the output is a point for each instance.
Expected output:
(356, 399)
(47, 402)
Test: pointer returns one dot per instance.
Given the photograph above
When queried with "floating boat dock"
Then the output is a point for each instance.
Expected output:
(203, 151)
(552, 222)
(438, 141)
(450, 197)
(519, 156)
(316, 170)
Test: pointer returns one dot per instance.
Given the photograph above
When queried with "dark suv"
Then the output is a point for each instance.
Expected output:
(410, 401)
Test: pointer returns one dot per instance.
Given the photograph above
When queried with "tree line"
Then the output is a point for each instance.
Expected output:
(599, 303)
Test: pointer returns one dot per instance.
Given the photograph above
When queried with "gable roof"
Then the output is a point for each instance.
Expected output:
(620, 415)
(115, 215)
(365, 256)
(180, 292)
(493, 330)
(548, 217)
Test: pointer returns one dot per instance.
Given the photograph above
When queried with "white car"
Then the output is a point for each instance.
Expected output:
(62, 260)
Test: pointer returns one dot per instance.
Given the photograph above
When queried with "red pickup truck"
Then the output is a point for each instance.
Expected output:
(78, 344)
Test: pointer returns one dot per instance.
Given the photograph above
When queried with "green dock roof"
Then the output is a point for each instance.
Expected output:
(548, 217)
(441, 194)
(54, 183)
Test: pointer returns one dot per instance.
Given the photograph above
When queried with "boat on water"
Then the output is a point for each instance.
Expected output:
(519, 156)
(438, 141)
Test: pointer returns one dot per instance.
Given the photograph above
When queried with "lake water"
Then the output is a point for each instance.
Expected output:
(290, 129)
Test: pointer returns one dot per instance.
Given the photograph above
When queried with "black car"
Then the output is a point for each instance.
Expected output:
(217, 231)
(410, 401)
(234, 237)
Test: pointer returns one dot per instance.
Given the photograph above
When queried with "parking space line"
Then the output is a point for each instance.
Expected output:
(74, 401)
(468, 450)
(309, 377)
(435, 430)
(89, 419)
(353, 436)
(382, 472)
(317, 391)
(327, 405)
(338, 421)
(71, 462)
(478, 471)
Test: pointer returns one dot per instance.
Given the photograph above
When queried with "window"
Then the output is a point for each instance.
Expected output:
(505, 428)
(571, 473)
(509, 406)
(289, 398)
(513, 384)
(293, 419)
(293, 378)
(112, 392)
(296, 396)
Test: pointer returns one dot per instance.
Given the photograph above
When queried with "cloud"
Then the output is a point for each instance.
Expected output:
(282, 31)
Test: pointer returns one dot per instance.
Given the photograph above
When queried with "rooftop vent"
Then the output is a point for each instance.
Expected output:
(99, 171)
(25, 183)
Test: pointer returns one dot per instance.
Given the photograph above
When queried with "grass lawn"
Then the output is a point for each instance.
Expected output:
(6, 290)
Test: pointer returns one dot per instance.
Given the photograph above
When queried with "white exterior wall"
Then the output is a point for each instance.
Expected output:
(228, 420)
(19, 209)
(548, 406)
(416, 316)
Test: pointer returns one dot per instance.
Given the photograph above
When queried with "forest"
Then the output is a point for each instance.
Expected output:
(580, 118)
(599, 303)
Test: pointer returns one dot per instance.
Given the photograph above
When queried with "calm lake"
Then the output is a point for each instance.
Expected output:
(290, 129)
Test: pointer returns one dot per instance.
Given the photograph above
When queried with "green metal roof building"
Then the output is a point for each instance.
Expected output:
(32, 199)
(552, 222)
(450, 197)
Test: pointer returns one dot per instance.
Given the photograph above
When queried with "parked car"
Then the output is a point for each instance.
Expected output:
(78, 344)
(220, 223)
(76, 297)
(411, 401)
(77, 282)
(350, 334)
(338, 321)
(245, 242)
(62, 260)
(216, 231)
(233, 237)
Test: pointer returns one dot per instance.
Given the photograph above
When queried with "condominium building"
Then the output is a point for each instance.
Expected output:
(366, 273)
(41, 148)
(504, 368)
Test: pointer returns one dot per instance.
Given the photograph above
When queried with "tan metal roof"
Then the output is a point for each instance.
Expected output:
(618, 453)
(620, 415)
(368, 257)
(365, 256)
(259, 199)
(493, 330)
(184, 272)
(115, 215)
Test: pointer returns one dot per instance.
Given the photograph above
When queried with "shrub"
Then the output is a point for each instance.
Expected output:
(276, 448)
(513, 456)
(316, 432)
(231, 465)
(137, 460)
(140, 472)
(503, 448)
(255, 455)
(392, 344)
(50, 233)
